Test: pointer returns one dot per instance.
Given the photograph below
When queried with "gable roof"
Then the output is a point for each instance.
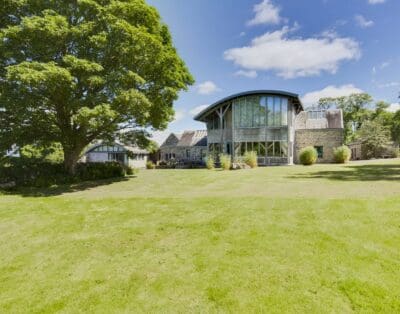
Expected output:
(188, 138)
(193, 138)
(171, 140)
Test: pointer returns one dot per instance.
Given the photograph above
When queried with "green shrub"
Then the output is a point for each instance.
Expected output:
(39, 173)
(150, 165)
(342, 154)
(308, 156)
(98, 171)
(226, 161)
(393, 152)
(250, 159)
(210, 163)
(130, 171)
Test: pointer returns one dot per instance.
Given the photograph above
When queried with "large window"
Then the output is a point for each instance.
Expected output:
(260, 111)
(269, 149)
(213, 123)
(277, 149)
(116, 157)
(214, 149)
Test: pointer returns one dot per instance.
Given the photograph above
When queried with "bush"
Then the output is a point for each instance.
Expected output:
(38, 173)
(226, 161)
(98, 171)
(342, 154)
(250, 159)
(308, 156)
(210, 163)
(150, 165)
(130, 171)
(393, 152)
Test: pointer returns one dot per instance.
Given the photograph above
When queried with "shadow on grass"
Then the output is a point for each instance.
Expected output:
(61, 189)
(357, 173)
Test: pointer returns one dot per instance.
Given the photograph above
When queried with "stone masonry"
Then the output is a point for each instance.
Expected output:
(327, 138)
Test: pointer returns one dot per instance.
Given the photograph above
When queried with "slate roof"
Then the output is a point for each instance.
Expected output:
(171, 140)
(193, 138)
(186, 139)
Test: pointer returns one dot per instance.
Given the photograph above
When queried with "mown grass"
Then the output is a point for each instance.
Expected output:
(285, 239)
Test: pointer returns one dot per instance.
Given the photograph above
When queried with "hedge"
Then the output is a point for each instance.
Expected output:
(30, 172)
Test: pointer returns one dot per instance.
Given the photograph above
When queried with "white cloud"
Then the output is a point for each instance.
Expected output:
(313, 97)
(394, 107)
(197, 109)
(265, 13)
(389, 84)
(363, 22)
(380, 67)
(294, 57)
(384, 65)
(207, 88)
(376, 1)
(179, 115)
(248, 74)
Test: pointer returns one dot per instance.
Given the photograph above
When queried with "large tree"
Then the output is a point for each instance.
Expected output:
(374, 137)
(75, 71)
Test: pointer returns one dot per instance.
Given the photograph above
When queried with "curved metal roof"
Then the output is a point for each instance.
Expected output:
(202, 114)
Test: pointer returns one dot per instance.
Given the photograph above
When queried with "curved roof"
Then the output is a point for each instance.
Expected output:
(215, 105)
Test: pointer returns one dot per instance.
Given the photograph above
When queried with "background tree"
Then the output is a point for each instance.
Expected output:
(382, 115)
(75, 71)
(51, 153)
(374, 137)
(356, 109)
(395, 127)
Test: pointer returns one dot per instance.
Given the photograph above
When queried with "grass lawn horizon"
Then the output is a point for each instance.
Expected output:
(291, 239)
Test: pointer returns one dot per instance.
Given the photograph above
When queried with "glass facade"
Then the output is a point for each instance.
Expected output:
(257, 122)
(260, 111)
(263, 149)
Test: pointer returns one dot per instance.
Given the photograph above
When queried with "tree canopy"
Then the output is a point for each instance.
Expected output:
(75, 71)
(374, 136)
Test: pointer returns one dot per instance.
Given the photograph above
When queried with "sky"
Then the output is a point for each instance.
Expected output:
(315, 48)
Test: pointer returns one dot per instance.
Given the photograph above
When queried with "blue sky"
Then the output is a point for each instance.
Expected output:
(315, 48)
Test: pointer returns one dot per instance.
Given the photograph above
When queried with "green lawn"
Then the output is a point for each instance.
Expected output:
(320, 239)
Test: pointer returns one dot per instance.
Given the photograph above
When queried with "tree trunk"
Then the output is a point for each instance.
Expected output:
(71, 158)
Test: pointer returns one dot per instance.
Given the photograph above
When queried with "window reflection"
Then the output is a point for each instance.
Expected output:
(260, 111)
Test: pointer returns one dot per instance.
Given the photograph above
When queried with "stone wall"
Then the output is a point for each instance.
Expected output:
(194, 153)
(327, 138)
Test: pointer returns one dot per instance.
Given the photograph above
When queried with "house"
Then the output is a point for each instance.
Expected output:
(185, 147)
(126, 155)
(272, 123)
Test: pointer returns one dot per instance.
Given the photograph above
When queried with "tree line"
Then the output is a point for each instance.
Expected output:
(367, 122)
